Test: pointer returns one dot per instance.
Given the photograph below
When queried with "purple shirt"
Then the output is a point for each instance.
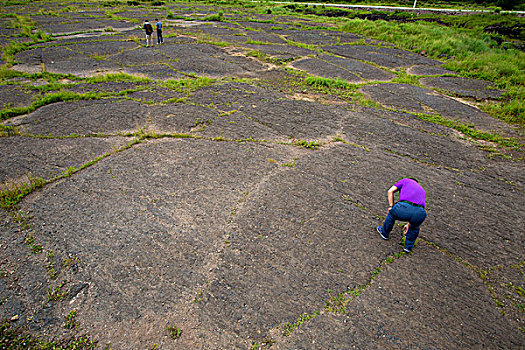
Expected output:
(410, 190)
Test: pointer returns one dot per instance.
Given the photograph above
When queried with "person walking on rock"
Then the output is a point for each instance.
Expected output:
(410, 207)
(160, 39)
(149, 30)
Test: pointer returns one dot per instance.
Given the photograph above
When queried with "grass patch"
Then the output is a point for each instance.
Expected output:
(33, 247)
(263, 57)
(62, 96)
(255, 42)
(52, 273)
(12, 194)
(188, 85)
(330, 83)
(476, 54)
(117, 78)
(217, 17)
(16, 338)
(404, 78)
(470, 131)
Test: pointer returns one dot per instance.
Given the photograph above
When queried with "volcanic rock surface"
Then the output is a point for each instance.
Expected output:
(207, 184)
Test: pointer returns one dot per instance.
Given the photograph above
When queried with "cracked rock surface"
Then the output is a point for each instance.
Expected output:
(214, 184)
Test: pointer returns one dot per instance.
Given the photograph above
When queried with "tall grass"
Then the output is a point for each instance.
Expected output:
(431, 37)
(472, 52)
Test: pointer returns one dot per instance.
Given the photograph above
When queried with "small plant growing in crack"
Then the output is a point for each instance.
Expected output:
(70, 320)
(307, 144)
(198, 297)
(69, 171)
(33, 247)
(56, 294)
(290, 164)
(174, 332)
(339, 302)
(50, 266)
(21, 218)
(72, 262)
(288, 328)
(13, 194)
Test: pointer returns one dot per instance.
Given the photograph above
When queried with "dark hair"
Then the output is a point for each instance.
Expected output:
(156, 19)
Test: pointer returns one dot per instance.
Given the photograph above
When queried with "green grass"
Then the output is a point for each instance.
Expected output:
(47, 99)
(404, 78)
(307, 144)
(330, 83)
(338, 139)
(289, 327)
(117, 77)
(57, 293)
(476, 55)
(217, 17)
(11, 195)
(188, 85)
(494, 5)
(15, 338)
(70, 320)
(470, 131)
(174, 332)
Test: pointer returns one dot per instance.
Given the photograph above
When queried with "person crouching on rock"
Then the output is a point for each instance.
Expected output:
(410, 207)
(149, 30)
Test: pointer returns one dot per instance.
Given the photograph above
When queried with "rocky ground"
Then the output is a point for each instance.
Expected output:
(212, 189)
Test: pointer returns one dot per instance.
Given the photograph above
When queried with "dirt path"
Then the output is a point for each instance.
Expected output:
(223, 185)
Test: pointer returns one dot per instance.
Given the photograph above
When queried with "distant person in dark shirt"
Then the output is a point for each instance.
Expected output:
(149, 30)
(160, 39)
(410, 207)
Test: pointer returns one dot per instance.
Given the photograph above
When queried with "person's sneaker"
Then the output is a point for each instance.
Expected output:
(407, 250)
(380, 231)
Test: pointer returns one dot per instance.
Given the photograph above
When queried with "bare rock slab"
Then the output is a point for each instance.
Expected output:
(84, 118)
(21, 157)
(161, 245)
(64, 61)
(76, 23)
(12, 96)
(420, 100)
(424, 301)
(382, 56)
(316, 37)
(208, 60)
(429, 70)
(473, 88)
(341, 68)
(281, 52)
(291, 118)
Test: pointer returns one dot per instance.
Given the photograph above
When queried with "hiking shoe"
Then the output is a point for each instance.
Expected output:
(407, 250)
(380, 231)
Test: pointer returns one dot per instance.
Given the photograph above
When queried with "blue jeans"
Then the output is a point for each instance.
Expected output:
(159, 36)
(405, 212)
